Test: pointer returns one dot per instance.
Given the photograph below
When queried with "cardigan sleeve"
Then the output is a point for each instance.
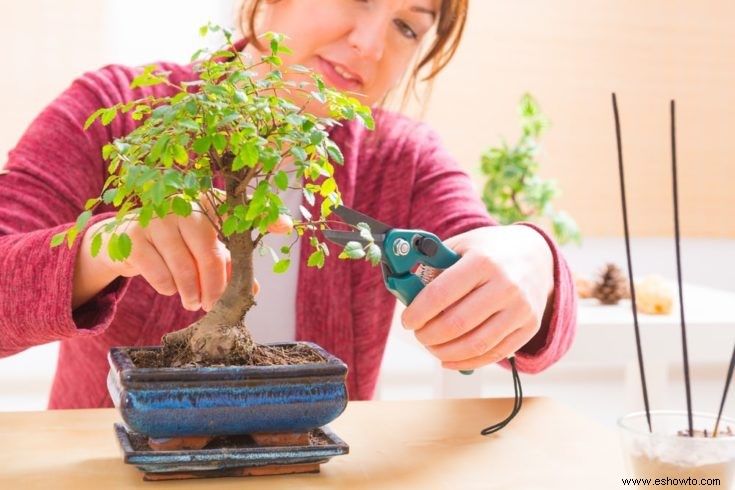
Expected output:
(445, 201)
(49, 175)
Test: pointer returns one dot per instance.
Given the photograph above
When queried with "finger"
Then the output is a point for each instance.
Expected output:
(210, 256)
(166, 238)
(480, 340)
(282, 226)
(506, 348)
(149, 264)
(465, 275)
(463, 316)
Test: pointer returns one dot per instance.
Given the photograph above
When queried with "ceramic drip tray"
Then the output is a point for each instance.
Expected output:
(230, 456)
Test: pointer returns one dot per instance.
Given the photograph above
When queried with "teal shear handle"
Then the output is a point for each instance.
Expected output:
(403, 250)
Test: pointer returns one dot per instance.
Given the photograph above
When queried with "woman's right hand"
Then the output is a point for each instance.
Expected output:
(174, 254)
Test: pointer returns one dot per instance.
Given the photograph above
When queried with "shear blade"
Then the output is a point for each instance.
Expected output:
(353, 217)
(343, 237)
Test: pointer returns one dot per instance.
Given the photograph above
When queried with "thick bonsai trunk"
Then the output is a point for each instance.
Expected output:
(221, 336)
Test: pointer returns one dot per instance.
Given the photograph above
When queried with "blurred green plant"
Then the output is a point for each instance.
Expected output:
(513, 191)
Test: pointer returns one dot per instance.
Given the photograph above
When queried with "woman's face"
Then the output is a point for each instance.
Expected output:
(362, 46)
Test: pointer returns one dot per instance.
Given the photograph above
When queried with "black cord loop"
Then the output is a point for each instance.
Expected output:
(516, 403)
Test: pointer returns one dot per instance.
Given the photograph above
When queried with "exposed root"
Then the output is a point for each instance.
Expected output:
(204, 344)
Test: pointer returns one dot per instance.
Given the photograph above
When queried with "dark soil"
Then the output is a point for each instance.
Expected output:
(260, 355)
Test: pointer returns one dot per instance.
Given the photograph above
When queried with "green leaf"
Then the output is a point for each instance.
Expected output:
(327, 187)
(181, 156)
(159, 147)
(281, 180)
(109, 196)
(191, 106)
(273, 60)
(96, 244)
(316, 259)
(107, 151)
(189, 124)
(319, 96)
(316, 137)
(230, 225)
(335, 153)
(124, 245)
(108, 115)
(364, 114)
(309, 196)
(247, 157)
(95, 115)
(249, 152)
(299, 153)
(122, 193)
(58, 239)
(91, 203)
(217, 90)
(181, 206)
(281, 266)
(353, 250)
(71, 235)
(112, 248)
(365, 232)
(82, 219)
(223, 54)
(145, 216)
(220, 142)
(202, 145)
(326, 207)
(374, 253)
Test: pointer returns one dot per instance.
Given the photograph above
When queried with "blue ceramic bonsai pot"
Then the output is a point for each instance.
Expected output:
(215, 401)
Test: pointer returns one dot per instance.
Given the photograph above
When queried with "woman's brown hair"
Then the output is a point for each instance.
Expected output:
(450, 23)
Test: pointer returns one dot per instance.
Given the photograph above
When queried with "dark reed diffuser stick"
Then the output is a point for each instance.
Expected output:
(677, 240)
(630, 263)
(724, 393)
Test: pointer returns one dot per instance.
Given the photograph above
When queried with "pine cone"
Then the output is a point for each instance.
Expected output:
(612, 286)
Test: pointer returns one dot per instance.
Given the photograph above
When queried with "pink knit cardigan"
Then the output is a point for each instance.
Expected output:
(399, 174)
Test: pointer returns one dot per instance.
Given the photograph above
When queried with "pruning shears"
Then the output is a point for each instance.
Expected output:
(401, 251)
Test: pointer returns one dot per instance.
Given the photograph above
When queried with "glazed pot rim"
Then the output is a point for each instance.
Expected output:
(121, 361)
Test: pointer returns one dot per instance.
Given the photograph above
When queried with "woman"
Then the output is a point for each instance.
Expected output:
(511, 291)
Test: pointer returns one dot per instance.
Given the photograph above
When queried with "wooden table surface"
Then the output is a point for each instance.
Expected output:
(433, 444)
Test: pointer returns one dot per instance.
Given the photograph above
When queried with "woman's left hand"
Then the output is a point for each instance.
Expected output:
(488, 304)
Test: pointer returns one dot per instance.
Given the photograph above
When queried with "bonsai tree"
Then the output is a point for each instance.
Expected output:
(232, 125)
(513, 191)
